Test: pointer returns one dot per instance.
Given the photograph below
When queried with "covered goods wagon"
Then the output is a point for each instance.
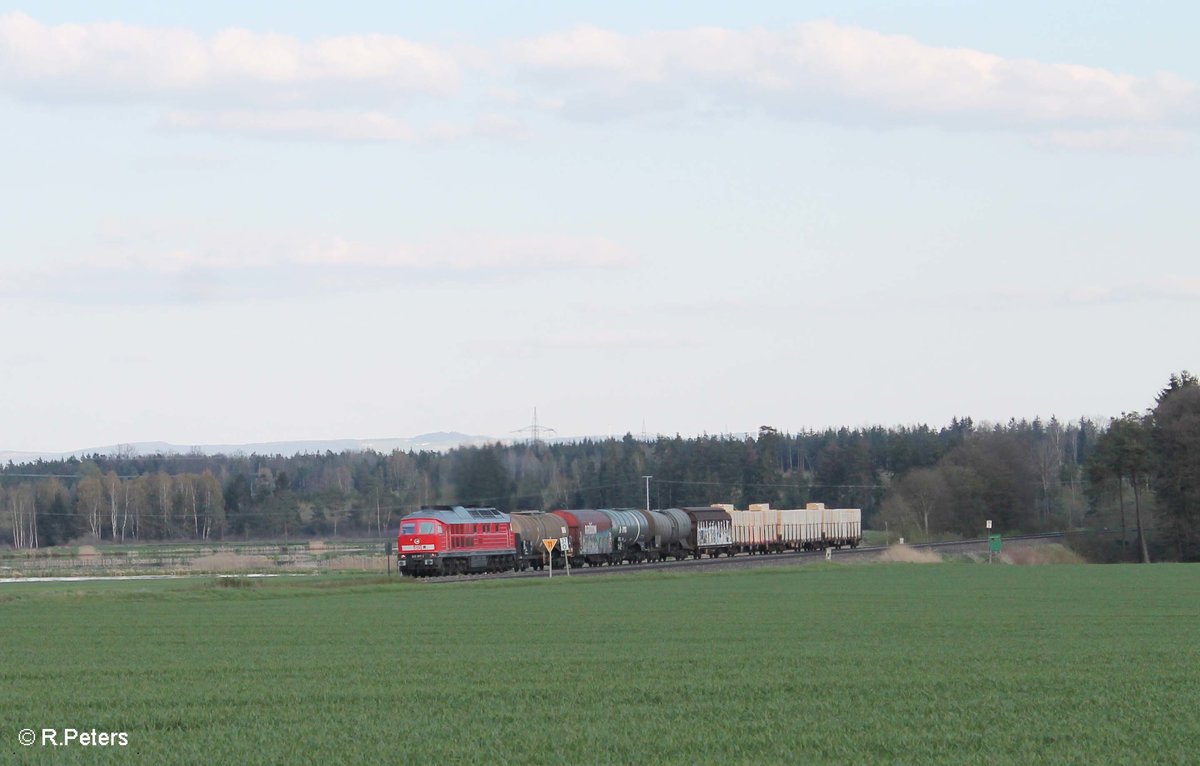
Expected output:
(711, 532)
(590, 535)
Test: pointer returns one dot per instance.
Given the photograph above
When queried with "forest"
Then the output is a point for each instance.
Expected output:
(1133, 480)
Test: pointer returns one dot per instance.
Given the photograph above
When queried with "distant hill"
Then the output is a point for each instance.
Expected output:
(439, 441)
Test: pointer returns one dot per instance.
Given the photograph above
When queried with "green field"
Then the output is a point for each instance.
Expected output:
(831, 663)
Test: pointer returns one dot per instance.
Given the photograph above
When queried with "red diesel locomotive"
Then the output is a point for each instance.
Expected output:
(444, 539)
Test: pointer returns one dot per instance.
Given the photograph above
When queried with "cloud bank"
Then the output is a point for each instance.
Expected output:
(111, 61)
(822, 69)
(361, 88)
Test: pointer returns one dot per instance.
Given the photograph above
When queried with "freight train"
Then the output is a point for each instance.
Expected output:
(443, 539)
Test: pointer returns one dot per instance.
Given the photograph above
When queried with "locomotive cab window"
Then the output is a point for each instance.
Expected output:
(428, 528)
(408, 528)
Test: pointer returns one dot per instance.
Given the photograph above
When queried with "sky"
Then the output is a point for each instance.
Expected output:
(228, 222)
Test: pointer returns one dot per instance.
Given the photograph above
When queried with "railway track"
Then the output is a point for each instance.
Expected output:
(787, 558)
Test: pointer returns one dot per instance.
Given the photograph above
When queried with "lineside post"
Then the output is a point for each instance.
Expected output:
(549, 543)
(995, 545)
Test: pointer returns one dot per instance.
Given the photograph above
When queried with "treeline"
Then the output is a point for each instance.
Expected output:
(1138, 478)
(1137, 472)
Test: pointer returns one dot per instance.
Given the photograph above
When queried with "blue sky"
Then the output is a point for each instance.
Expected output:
(230, 224)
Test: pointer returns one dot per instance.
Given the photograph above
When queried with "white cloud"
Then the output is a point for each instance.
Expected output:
(307, 124)
(174, 263)
(353, 87)
(339, 126)
(825, 70)
(115, 61)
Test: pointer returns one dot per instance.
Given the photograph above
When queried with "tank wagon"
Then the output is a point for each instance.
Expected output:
(457, 539)
(632, 533)
(530, 529)
(672, 528)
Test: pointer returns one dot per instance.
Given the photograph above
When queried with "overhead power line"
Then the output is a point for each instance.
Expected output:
(535, 431)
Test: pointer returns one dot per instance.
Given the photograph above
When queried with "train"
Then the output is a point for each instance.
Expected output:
(455, 539)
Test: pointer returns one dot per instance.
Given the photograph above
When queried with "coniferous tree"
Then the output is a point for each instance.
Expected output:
(1175, 436)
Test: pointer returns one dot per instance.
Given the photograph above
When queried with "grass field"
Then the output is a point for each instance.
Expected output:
(833, 663)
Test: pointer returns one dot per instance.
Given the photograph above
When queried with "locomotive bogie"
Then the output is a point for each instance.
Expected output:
(453, 564)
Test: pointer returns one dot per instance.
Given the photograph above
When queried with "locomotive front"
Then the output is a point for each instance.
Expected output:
(420, 545)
